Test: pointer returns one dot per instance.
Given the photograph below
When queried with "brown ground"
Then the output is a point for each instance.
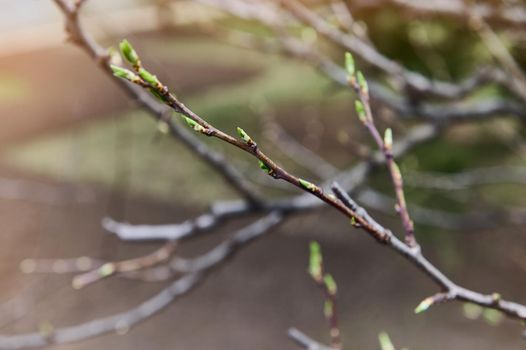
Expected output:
(250, 303)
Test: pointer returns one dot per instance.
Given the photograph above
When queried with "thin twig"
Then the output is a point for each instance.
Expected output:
(109, 269)
(196, 270)
(358, 83)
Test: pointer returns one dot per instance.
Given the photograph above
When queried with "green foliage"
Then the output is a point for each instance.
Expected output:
(490, 316)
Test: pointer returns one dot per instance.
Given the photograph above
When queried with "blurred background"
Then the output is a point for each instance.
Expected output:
(75, 149)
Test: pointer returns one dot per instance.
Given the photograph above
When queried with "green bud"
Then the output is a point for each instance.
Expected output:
(315, 261)
(492, 317)
(129, 53)
(124, 73)
(388, 138)
(149, 77)
(107, 269)
(163, 127)
(328, 309)
(472, 311)
(385, 341)
(244, 135)
(424, 305)
(397, 175)
(349, 64)
(362, 83)
(193, 124)
(360, 109)
(309, 186)
(264, 167)
(330, 284)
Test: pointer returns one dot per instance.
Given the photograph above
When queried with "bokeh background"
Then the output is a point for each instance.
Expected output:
(74, 149)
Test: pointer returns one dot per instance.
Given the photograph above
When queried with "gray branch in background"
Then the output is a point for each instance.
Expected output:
(305, 341)
(414, 80)
(116, 323)
(218, 212)
(470, 178)
(442, 219)
(433, 112)
(512, 15)
(195, 268)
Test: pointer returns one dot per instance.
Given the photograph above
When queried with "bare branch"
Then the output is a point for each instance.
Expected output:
(109, 269)
(363, 108)
(205, 222)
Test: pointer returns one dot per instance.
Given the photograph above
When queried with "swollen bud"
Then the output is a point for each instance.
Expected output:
(362, 83)
(349, 64)
(124, 73)
(244, 135)
(309, 186)
(315, 261)
(385, 341)
(107, 269)
(264, 167)
(194, 125)
(388, 138)
(330, 284)
(424, 305)
(163, 127)
(328, 309)
(360, 109)
(149, 77)
(129, 53)
(397, 175)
